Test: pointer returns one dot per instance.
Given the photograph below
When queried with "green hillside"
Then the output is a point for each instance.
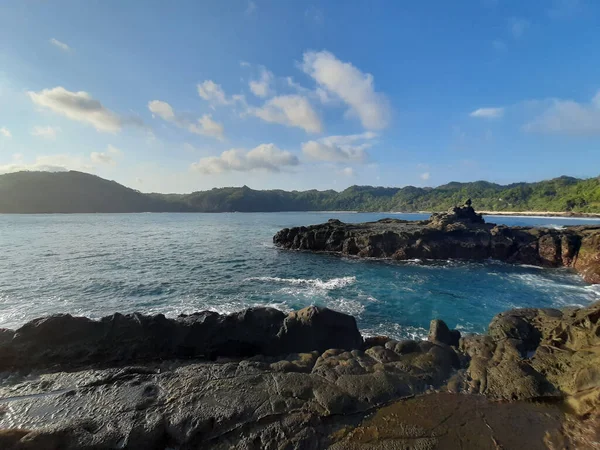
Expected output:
(77, 192)
(74, 192)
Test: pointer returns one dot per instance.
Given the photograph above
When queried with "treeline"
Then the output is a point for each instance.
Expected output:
(74, 192)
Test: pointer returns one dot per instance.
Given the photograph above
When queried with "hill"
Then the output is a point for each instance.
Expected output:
(74, 192)
(77, 192)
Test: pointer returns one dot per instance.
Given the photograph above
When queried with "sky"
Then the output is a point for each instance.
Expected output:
(190, 95)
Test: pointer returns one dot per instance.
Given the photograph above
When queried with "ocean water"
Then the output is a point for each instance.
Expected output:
(98, 264)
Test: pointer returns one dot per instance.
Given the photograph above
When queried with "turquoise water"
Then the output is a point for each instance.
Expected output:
(95, 265)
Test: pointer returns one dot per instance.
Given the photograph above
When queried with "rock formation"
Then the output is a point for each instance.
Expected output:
(307, 380)
(460, 233)
(72, 342)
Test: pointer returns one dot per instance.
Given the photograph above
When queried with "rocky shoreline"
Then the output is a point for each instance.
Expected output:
(460, 233)
(263, 379)
(260, 379)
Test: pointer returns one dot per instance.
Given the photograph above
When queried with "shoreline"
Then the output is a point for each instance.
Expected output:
(307, 379)
(532, 214)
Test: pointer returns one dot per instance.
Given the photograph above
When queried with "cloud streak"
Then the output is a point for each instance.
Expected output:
(205, 125)
(266, 157)
(352, 86)
(487, 113)
(262, 87)
(289, 110)
(351, 148)
(79, 106)
(567, 117)
(61, 45)
(48, 132)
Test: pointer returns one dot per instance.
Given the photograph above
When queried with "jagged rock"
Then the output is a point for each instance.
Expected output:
(460, 233)
(302, 399)
(587, 260)
(317, 328)
(124, 339)
(439, 332)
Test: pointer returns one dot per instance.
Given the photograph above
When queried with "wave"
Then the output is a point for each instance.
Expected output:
(347, 306)
(334, 283)
(396, 331)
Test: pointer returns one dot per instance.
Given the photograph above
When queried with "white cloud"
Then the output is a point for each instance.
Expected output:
(518, 27)
(488, 113)
(568, 117)
(45, 132)
(331, 152)
(205, 125)
(108, 157)
(47, 163)
(261, 88)
(347, 172)
(213, 93)
(290, 110)
(266, 157)
(339, 148)
(425, 176)
(114, 150)
(354, 87)
(61, 45)
(102, 159)
(291, 83)
(78, 106)
(5, 132)
(161, 109)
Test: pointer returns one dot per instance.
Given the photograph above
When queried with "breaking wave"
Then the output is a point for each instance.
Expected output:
(334, 283)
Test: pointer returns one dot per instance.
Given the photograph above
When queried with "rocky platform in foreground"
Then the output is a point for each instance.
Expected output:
(457, 234)
(260, 379)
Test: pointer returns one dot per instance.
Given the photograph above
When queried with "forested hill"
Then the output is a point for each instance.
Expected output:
(77, 192)
(74, 192)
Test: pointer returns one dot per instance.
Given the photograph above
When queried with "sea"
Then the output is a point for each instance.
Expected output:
(98, 264)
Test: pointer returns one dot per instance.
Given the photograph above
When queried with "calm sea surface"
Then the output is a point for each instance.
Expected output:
(98, 264)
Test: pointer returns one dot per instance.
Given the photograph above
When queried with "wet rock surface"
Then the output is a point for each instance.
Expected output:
(451, 391)
(460, 233)
(70, 342)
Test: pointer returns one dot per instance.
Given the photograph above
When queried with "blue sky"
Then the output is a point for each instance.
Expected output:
(190, 95)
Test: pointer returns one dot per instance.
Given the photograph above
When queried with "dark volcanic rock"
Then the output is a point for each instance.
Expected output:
(317, 399)
(439, 332)
(460, 233)
(316, 328)
(65, 340)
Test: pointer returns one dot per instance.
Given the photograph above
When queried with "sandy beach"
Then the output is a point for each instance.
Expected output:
(572, 215)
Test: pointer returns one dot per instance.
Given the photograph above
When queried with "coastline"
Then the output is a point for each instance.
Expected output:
(307, 379)
(530, 214)
(558, 215)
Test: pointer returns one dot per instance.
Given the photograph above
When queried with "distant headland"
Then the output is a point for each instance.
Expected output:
(78, 192)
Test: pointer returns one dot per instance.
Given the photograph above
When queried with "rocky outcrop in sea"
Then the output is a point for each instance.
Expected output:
(260, 379)
(460, 233)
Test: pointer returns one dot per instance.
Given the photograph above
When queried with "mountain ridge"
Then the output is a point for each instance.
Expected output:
(80, 192)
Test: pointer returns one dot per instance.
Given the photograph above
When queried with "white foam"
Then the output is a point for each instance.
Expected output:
(352, 307)
(527, 216)
(334, 283)
(529, 266)
(594, 288)
(397, 331)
